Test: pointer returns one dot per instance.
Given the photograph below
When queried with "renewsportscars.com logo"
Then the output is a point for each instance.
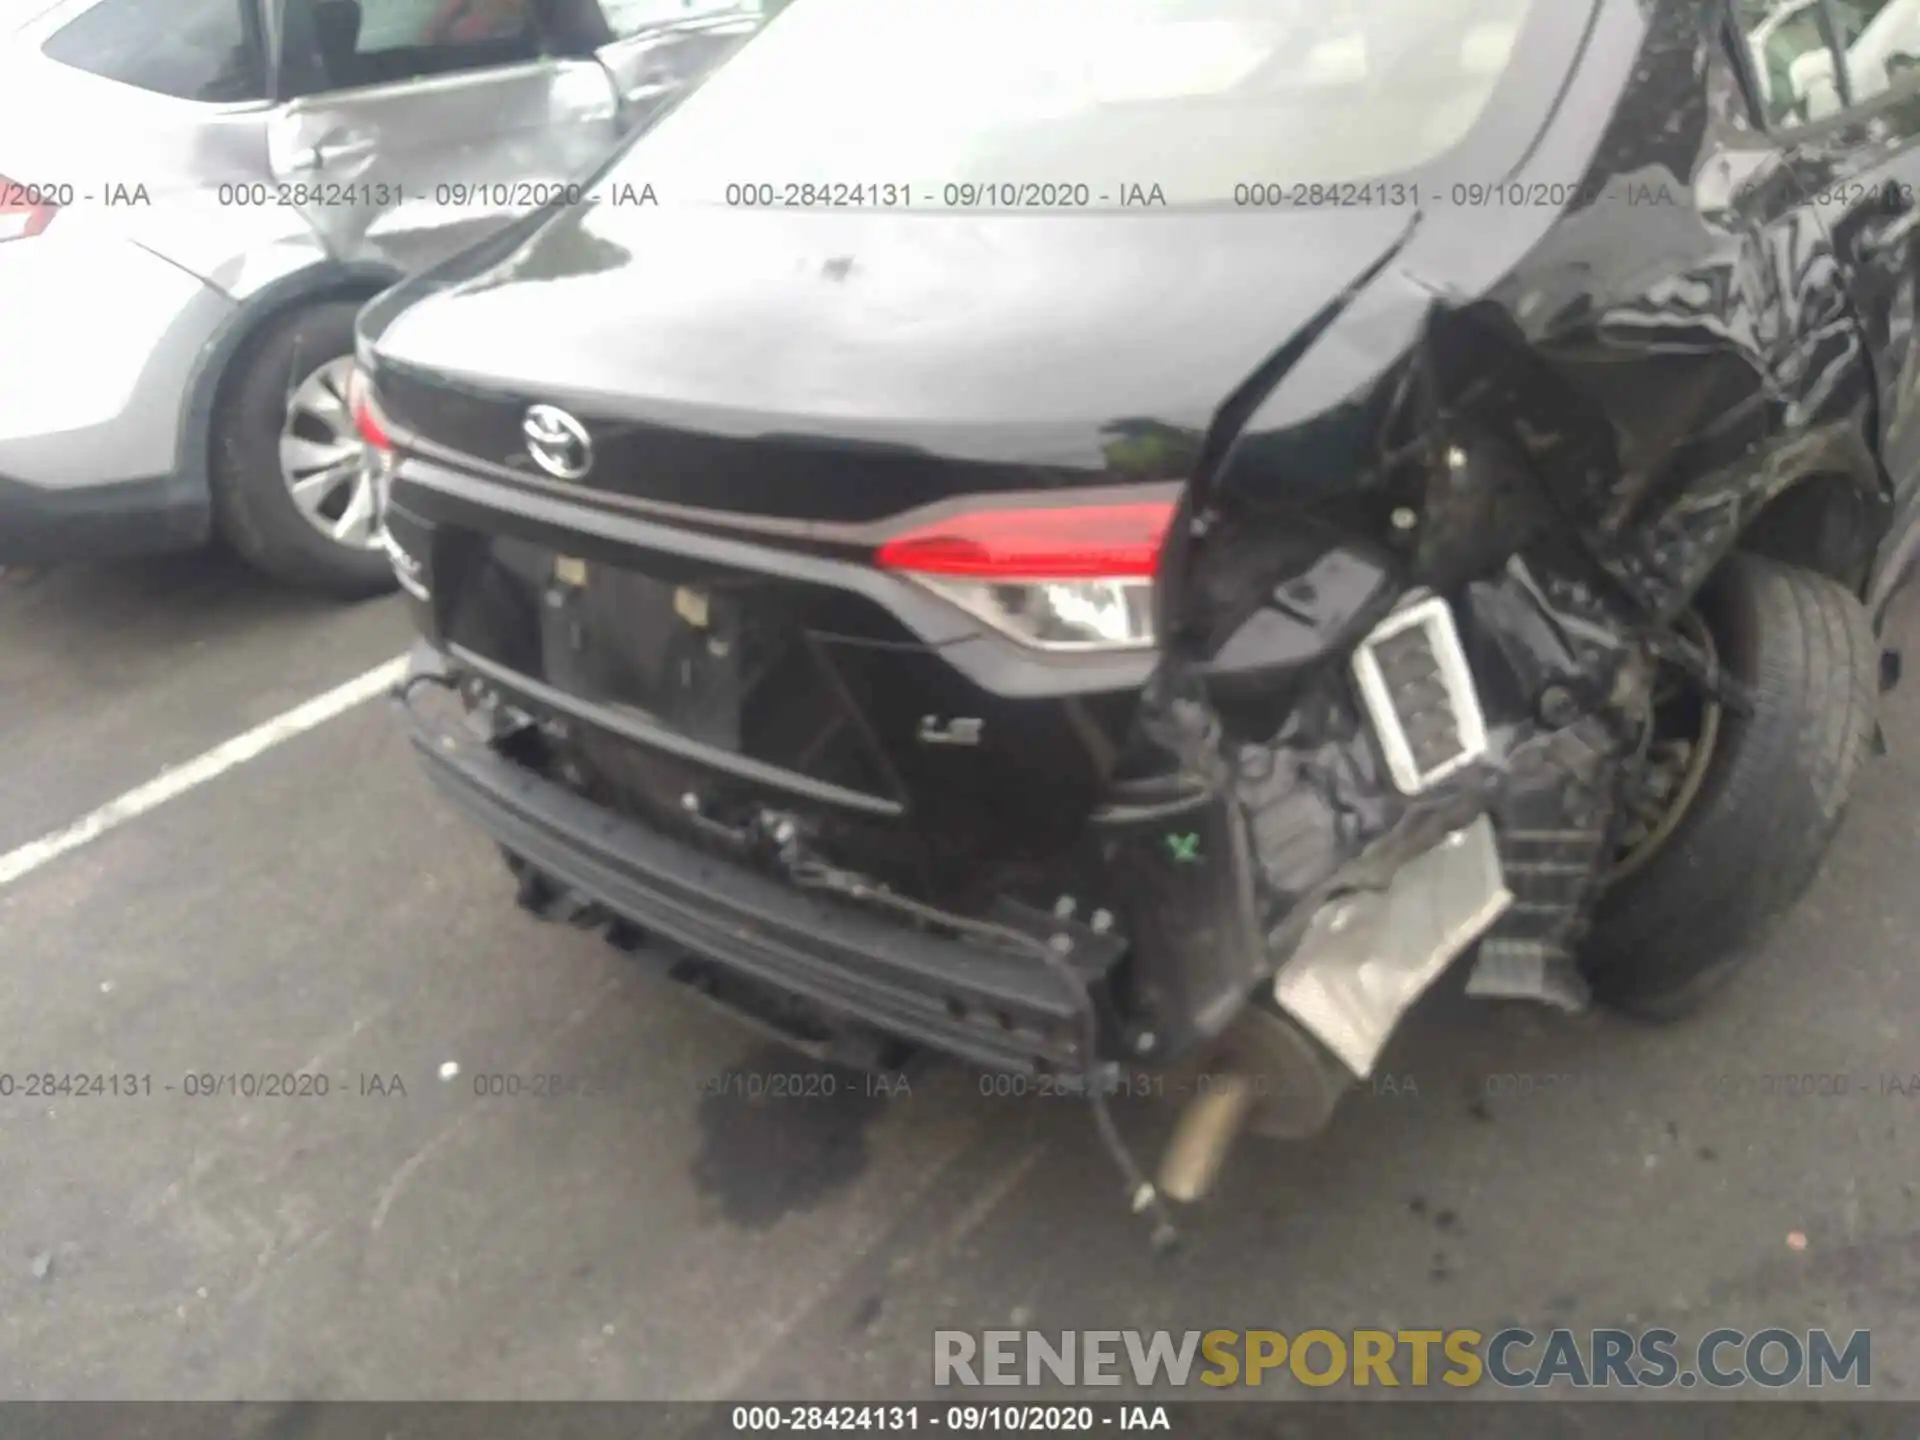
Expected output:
(1512, 1358)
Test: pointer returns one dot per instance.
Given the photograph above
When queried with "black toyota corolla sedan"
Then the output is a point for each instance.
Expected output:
(1104, 540)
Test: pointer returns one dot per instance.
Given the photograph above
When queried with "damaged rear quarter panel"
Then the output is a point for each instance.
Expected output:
(1667, 355)
(1571, 413)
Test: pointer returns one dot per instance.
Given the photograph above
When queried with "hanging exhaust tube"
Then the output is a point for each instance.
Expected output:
(1269, 1076)
(1364, 961)
(1204, 1134)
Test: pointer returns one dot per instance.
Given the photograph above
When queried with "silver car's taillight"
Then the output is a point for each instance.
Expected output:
(27, 210)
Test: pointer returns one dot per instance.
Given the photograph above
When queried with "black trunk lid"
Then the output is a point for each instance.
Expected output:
(766, 397)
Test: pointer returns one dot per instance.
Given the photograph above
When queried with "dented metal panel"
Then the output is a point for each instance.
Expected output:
(1621, 330)
(1364, 961)
(1562, 415)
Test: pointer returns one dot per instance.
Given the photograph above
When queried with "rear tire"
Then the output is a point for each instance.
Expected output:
(254, 506)
(1771, 798)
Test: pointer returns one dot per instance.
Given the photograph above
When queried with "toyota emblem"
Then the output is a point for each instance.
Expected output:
(558, 443)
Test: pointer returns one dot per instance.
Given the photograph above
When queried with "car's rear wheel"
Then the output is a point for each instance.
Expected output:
(292, 490)
(1738, 809)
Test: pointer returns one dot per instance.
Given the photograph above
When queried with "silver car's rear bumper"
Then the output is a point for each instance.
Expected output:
(100, 522)
(102, 344)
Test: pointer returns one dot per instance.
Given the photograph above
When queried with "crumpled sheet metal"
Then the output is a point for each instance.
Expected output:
(1368, 957)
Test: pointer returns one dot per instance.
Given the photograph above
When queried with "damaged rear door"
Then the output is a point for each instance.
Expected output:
(661, 46)
(410, 129)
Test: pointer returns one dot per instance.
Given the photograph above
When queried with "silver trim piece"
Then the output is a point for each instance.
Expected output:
(1366, 958)
(406, 569)
(1435, 616)
(863, 534)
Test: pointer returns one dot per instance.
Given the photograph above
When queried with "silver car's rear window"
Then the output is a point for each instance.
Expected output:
(204, 50)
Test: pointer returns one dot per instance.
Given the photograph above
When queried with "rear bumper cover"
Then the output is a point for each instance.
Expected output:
(44, 525)
(995, 1008)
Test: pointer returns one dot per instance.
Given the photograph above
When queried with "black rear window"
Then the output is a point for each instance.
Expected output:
(205, 50)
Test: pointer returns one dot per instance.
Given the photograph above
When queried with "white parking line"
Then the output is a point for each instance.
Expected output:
(181, 778)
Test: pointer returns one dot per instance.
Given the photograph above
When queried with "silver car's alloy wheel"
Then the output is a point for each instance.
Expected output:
(324, 462)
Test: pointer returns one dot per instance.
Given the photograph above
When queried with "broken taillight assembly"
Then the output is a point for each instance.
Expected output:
(24, 210)
(1065, 577)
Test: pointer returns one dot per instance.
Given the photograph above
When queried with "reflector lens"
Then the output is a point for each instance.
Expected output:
(1108, 542)
(366, 419)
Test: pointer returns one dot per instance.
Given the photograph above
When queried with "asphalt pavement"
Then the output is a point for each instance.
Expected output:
(317, 912)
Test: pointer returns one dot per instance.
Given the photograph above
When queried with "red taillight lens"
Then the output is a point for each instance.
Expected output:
(24, 210)
(366, 417)
(1108, 542)
(1068, 577)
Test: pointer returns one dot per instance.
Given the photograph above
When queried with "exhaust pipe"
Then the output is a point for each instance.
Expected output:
(1365, 959)
(1272, 1076)
(1204, 1134)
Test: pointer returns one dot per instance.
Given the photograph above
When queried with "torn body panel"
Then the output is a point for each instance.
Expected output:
(1333, 839)
(1561, 424)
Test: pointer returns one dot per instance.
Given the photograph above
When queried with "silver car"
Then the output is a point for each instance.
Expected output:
(196, 197)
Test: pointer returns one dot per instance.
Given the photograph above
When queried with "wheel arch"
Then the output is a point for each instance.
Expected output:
(1826, 520)
(214, 365)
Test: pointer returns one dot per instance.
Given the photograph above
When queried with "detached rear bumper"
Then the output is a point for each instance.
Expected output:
(992, 1007)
